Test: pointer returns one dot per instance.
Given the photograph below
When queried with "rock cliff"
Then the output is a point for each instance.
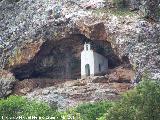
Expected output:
(41, 38)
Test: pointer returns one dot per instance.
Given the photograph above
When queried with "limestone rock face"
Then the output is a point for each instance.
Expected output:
(44, 45)
(6, 83)
(32, 32)
(25, 53)
(139, 40)
(94, 31)
(72, 93)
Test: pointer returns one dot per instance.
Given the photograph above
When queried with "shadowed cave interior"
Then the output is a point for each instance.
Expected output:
(61, 59)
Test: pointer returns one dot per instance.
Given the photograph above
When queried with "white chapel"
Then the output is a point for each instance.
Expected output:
(92, 63)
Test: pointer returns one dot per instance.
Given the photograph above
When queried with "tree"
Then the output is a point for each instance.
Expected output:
(142, 103)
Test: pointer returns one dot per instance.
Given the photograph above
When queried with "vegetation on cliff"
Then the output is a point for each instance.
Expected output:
(16, 106)
(21, 108)
(141, 103)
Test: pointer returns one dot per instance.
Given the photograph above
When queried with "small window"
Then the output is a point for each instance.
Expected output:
(99, 67)
(86, 47)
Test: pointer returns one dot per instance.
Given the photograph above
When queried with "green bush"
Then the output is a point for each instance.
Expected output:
(16, 106)
(71, 114)
(91, 111)
(120, 3)
(102, 117)
(142, 103)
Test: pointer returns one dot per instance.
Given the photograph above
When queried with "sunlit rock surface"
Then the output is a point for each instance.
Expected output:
(74, 92)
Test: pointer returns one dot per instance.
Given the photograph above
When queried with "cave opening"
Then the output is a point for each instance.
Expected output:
(61, 59)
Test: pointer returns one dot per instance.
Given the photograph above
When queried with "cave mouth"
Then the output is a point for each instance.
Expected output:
(61, 59)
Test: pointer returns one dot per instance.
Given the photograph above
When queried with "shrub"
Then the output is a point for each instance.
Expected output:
(120, 3)
(142, 103)
(16, 106)
(102, 117)
(71, 114)
(91, 111)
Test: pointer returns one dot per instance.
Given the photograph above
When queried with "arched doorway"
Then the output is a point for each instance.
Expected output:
(87, 70)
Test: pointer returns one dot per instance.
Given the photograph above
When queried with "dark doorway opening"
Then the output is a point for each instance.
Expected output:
(99, 67)
(87, 70)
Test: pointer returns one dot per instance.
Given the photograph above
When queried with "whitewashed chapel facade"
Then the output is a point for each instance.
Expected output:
(92, 63)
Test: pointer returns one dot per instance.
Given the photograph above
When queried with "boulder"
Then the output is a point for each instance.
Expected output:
(25, 90)
(45, 92)
(121, 75)
(7, 81)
